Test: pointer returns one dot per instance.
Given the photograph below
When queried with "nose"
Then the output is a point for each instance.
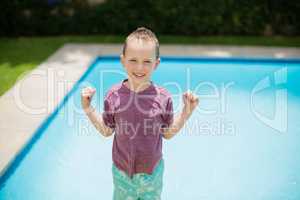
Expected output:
(140, 66)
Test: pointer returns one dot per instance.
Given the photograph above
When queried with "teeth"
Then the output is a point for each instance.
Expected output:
(139, 75)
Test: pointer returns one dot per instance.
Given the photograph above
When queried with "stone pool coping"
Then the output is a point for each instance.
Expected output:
(31, 100)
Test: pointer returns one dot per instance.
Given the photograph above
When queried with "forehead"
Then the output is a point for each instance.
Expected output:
(140, 47)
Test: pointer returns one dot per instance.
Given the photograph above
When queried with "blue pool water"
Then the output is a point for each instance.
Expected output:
(243, 141)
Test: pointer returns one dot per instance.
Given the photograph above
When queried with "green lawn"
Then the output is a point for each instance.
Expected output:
(19, 55)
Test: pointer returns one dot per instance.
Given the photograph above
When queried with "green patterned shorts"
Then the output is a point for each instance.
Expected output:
(141, 186)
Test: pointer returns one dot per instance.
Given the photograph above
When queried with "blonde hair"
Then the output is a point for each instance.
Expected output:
(145, 35)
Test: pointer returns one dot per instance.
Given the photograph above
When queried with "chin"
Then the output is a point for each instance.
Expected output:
(139, 80)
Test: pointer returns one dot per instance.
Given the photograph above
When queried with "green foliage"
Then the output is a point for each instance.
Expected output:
(20, 55)
(173, 17)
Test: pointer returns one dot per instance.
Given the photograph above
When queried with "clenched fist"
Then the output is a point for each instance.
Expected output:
(190, 101)
(86, 97)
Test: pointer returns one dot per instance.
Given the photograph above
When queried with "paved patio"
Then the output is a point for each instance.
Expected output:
(25, 106)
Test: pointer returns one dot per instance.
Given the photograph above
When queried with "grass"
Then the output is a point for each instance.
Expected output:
(19, 55)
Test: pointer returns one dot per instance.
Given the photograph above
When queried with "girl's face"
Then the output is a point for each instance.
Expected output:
(139, 61)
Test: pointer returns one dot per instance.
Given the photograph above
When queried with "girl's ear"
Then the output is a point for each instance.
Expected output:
(157, 63)
(122, 59)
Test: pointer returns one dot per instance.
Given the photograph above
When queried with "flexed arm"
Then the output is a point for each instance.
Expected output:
(95, 117)
(190, 103)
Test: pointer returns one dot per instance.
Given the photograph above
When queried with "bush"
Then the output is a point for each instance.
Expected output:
(176, 17)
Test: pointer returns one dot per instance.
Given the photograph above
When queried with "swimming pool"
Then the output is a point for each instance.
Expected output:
(243, 142)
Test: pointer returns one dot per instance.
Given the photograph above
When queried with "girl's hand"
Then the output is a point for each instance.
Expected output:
(86, 97)
(190, 101)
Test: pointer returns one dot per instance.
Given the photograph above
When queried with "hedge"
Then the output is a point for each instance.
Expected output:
(168, 17)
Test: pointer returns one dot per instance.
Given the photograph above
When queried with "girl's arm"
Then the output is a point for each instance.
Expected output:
(190, 103)
(95, 117)
(97, 121)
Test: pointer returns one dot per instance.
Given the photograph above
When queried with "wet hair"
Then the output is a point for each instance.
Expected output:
(144, 34)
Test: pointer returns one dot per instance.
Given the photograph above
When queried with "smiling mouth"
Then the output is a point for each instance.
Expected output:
(138, 75)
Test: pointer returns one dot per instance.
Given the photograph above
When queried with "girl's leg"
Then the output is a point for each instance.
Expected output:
(150, 186)
(124, 189)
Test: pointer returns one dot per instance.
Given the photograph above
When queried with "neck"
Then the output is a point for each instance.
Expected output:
(137, 87)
